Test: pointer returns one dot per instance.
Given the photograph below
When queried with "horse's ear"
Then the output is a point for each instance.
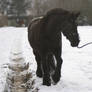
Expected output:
(75, 14)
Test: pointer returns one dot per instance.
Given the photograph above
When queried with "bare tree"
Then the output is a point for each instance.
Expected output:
(4, 5)
(18, 7)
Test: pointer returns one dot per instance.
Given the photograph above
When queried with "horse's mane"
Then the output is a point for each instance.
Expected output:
(57, 11)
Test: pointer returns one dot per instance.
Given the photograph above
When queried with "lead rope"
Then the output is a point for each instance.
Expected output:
(84, 45)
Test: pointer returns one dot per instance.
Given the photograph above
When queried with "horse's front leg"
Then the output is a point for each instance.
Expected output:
(46, 73)
(57, 74)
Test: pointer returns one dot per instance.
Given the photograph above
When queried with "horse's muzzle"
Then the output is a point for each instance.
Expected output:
(75, 44)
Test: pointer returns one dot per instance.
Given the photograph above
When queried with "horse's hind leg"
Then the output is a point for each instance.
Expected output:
(46, 71)
(57, 74)
(38, 60)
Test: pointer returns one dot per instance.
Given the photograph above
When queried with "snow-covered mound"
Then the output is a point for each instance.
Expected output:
(77, 65)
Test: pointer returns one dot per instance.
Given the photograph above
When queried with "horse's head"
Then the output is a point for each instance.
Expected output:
(70, 30)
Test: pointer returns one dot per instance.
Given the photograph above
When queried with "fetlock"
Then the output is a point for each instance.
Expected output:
(46, 80)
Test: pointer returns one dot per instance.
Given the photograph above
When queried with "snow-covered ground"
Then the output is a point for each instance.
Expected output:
(77, 65)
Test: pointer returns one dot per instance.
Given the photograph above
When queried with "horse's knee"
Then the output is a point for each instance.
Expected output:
(59, 62)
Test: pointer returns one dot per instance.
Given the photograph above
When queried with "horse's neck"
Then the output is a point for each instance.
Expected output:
(54, 28)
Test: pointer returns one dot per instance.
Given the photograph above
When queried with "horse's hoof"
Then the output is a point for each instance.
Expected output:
(55, 78)
(46, 81)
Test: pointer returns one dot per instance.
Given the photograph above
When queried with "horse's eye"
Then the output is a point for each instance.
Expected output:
(70, 34)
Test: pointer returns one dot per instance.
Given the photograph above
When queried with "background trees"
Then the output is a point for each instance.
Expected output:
(18, 7)
(84, 6)
(40, 7)
(4, 5)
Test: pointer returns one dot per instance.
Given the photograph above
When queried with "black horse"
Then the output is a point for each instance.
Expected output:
(44, 35)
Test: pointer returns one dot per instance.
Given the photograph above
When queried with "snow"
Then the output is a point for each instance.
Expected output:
(77, 63)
